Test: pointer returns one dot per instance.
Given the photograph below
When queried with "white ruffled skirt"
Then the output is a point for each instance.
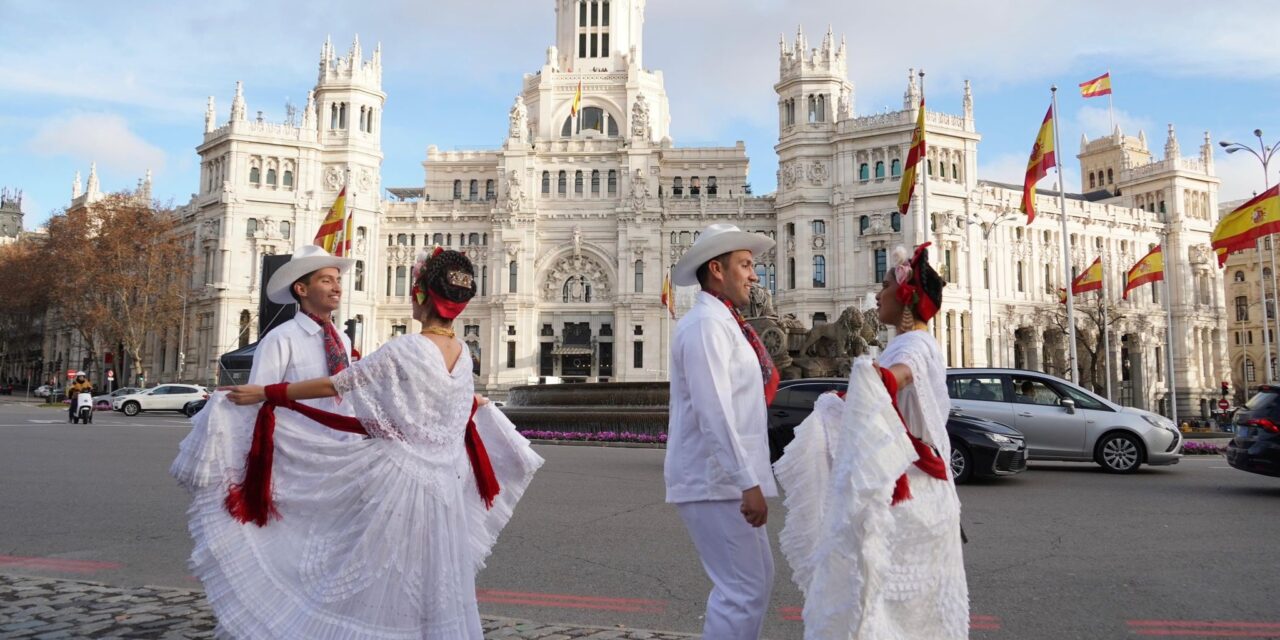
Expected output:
(869, 570)
(374, 540)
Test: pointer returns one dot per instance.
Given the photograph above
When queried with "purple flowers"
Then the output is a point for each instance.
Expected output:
(600, 436)
(1202, 448)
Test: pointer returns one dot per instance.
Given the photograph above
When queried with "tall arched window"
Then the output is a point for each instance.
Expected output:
(473, 238)
(473, 190)
(613, 181)
(711, 186)
(864, 223)
(955, 171)
(822, 108)
(1110, 177)
(595, 182)
(333, 116)
(286, 229)
(402, 275)
(1092, 183)
(489, 193)
(513, 274)
(879, 169)
(342, 115)
(791, 273)
(484, 280)
(255, 175)
(577, 183)
(819, 272)
(359, 276)
(895, 221)
(457, 189)
(562, 183)
(288, 178)
(271, 176)
(864, 172)
(546, 183)
(895, 168)
(251, 227)
(639, 276)
(1019, 277)
(813, 109)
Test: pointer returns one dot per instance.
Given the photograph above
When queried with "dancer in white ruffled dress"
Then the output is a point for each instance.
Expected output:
(873, 520)
(376, 538)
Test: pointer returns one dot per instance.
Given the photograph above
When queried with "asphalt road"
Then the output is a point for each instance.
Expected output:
(1061, 551)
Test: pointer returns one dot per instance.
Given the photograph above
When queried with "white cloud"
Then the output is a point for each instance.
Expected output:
(1096, 122)
(1241, 175)
(98, 137)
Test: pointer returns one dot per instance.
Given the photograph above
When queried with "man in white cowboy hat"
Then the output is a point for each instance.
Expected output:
(717, 466)
(309, 345)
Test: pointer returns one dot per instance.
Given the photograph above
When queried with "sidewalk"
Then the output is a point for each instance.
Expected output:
(46, 609)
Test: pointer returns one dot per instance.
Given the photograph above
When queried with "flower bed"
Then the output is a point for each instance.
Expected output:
(1202, 448)
(601, 436)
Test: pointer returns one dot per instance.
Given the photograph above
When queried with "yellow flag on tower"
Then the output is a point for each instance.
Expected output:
(914, 155)
(577, 101)
(332, 234)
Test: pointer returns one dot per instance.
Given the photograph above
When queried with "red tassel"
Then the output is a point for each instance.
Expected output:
(250, 501)
(486, 480)
(901, 490)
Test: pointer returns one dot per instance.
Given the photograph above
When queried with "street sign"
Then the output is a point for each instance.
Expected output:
(1223, 404)
(71, 374)
(111, 374)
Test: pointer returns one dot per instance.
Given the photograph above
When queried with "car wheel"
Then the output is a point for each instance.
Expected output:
(961, 462)
(131, 409)
(1119, 453)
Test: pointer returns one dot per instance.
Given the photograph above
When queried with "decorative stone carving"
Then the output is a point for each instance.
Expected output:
(760, 304)
(787, 175)
(639, 191)
(332, 178)
(818, 173)
(573, 276)
(640, 118)
(518, 119)
(577, 241)
(366, 179)
(515, 191)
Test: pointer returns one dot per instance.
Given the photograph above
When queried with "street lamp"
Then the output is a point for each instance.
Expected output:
(987, 229)
(1264, 154)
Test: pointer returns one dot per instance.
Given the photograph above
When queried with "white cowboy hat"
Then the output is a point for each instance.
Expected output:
(305, 260)
(715, 240)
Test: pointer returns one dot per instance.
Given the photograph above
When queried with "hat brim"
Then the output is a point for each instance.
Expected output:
(685, 273)
(285, 276)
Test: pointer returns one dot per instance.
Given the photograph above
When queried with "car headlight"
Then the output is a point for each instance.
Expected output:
(1160, 422)
(1000, 438)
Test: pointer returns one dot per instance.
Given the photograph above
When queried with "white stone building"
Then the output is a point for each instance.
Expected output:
(574, 221)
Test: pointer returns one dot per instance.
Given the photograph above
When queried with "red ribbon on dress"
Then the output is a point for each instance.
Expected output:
(927, 460)
(251, 501)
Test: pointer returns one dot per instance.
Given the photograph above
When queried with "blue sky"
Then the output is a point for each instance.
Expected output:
(125, 83)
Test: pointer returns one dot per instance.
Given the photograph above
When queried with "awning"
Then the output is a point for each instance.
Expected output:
(571, 351)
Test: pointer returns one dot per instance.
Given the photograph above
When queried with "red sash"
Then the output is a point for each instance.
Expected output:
(251, 501)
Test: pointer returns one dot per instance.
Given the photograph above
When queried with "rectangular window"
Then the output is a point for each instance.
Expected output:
(604, 15)
(582, 14)
(985, 388)
(546, 361)
(511, 355)
(637, 357)
(595, 45)
(582, 44)
(1242, 309)
(604, 43)
(951, 267)
(882, 265)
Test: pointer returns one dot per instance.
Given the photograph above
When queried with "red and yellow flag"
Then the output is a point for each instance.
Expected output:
(577, 101)
(1038, 165)
(1099, 86)
(1089, 280)
(332, 232)
(1241, 229)
(913, 163)
(668, 296)
(1062, 295)
(1149, 269)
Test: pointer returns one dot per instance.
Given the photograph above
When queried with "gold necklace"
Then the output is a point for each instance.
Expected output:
(439, 331)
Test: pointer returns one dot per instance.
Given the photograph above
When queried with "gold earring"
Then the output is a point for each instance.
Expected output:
(908, 321)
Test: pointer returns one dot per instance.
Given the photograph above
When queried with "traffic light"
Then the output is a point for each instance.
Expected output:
(1226, 388)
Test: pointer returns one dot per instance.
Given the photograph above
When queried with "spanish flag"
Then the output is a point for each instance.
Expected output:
(577, 101)
(1062, 295)
(1149, 269)
(1038, 165)
(1099, 86)
(1240, 229)
(913, 163)
(331, 235)
(668, 296)
(1088, 280)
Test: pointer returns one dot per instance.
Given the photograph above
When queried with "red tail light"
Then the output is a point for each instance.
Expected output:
(1263, 423)
(205, 397)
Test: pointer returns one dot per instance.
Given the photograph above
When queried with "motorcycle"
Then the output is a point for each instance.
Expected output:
(84, 408)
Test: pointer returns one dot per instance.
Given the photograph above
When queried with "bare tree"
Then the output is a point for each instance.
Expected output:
(24, 287)
(1090, 317)
(123, 274)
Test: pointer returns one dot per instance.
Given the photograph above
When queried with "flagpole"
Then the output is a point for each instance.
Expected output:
(1106, 339)
(924, 175)
(1066, 240)
(1168, 310)
(1111, 106)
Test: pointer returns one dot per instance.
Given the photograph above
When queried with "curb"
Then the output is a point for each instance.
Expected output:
(599, 443)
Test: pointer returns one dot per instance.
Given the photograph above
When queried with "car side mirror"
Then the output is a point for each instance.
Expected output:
(1069, 404)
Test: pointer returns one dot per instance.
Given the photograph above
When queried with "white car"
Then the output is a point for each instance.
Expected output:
(166, 397)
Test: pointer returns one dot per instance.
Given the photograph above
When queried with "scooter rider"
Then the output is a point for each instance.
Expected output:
(81, 385)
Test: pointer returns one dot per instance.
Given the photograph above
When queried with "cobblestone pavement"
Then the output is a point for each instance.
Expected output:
(47, 609)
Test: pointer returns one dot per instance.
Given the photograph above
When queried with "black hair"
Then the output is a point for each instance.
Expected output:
(434, 276)
(704, 270)
(305, 280)
(930, 281)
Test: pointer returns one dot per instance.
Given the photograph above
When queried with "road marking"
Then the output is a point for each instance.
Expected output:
(1204, 628)
(565, 601)
(68, 565)
(976, 622)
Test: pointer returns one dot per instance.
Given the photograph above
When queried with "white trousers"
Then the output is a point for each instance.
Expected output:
(739, 562)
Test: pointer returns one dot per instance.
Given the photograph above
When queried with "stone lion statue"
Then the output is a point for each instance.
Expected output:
(760, 304)
(833, 339)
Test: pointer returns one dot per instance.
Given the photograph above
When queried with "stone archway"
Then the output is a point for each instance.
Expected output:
(577, 278)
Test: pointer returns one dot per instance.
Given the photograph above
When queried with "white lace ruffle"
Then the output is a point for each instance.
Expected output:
(869, 570)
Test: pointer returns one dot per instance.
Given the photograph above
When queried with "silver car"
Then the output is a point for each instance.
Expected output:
(1062, 421)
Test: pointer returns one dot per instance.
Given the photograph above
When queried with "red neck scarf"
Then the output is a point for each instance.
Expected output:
(250, 500)
(768, 370)
(335, 356)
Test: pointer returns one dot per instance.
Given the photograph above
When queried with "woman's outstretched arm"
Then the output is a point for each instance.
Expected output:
(305, 390)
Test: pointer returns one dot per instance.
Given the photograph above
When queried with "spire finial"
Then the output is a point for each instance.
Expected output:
(76, 190)
(92, 189)
(237, 103)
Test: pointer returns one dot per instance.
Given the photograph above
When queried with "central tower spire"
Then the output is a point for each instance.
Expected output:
(597, 34)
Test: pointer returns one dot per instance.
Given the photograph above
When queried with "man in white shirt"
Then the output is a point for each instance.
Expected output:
(717, 463)
(308, 346)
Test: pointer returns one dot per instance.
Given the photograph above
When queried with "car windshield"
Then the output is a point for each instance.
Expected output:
(1083, 399)
(1260, 400)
